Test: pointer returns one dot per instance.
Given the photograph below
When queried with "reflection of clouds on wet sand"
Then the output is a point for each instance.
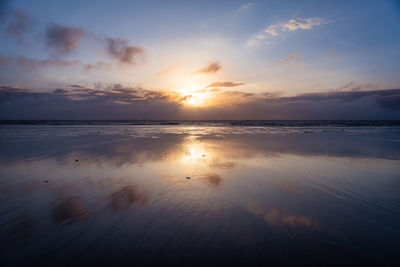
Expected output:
(71, 210)
(218, 163)
(276, 217)
(212, 179)
(122, 199)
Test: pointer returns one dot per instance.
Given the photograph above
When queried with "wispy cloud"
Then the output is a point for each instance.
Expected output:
(223, 84)
(99, 65)
(302, 23)
(354, 86)
(168, 70)
(290, 58)
(29, 64)
(246, 6)
(272, 30)
(123, 52)
(211, 68)
(271, 34)
(63, 39)
(331, 52)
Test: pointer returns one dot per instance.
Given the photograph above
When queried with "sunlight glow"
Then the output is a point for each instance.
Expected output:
(195, 95)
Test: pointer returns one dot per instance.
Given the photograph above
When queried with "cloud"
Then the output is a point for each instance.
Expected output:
(223, 84)
(60, 91)
(271, 34)
(271, 30)
(125, 53)
(168, 70)
(331, 52)
(62, 39)
(16, 22)
(353, 86)
(29, 64)
(118, 102)
(246, 6)
(4, 61)
(88, 103)
(290, 58)
(99, 65)
(211, 68)
(302, 23)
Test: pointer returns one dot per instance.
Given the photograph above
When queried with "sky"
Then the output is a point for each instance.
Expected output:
(200, 59)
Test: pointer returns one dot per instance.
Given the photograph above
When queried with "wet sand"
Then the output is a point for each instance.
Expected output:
(199, 195)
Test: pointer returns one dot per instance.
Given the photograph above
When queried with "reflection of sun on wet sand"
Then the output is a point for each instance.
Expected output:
(196, 161)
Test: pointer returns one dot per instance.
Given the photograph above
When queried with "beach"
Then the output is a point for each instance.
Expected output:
(199, 194)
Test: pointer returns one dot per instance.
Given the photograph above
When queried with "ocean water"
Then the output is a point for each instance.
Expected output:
(199, 193)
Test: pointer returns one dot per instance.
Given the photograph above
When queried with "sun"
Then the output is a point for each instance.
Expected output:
(196, 99)
(195, 95)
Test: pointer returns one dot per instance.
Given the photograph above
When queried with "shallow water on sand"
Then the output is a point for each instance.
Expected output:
(199, 195)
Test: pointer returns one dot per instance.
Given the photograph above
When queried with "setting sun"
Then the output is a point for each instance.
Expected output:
(197, 98)
(195, 95)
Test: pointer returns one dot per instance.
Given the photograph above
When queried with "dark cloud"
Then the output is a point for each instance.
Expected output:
(62, 39)
(100, 65)
(4, 61)
(77, 86)
(29, 64)
(349, 105)
(125, 53)
(353, 86)
(211, 68)
(224, 84)
(80, 102)
(16, 23)
(60, 91)
(87, 103)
